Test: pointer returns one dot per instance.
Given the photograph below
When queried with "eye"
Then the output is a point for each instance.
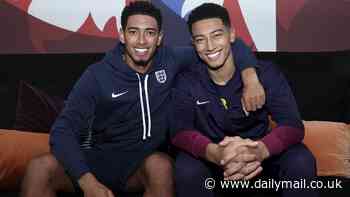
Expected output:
(199, 40)
(218, 35)
(132, 32)
(151, 33)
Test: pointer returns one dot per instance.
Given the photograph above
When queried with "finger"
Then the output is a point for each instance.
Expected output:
(250, 168)
(246, 158)
(228, 140)
(235, 177)
(261, 101)
(110, 193)
(233, 168)
(227, 158)
(250, 143)
(257, 102)
(252, 104)
(254, 174)
(231, 152)
(263, 96)
(245, 106)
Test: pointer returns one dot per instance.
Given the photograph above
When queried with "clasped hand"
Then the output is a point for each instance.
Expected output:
(241, 158)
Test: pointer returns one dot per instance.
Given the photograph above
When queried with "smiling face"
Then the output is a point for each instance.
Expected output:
(141, 38)
(212, 41)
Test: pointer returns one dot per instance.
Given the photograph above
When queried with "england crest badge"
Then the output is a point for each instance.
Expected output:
(161, 76)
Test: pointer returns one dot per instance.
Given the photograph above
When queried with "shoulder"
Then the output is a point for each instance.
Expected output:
(188, 77)
(271, 76)
(268, 71)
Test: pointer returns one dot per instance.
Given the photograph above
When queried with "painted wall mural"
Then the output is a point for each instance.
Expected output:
(83, 26)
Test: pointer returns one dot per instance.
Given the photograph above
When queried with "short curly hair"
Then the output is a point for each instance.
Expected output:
(143, 8)
(207, 11)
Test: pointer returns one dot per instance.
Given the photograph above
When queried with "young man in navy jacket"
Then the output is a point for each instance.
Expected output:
(217, 136)
(106, 139)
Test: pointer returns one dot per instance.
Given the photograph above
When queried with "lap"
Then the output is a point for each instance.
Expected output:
(296, 157)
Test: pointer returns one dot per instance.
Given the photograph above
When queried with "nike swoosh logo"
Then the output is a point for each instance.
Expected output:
(202, 103)
(119, 94)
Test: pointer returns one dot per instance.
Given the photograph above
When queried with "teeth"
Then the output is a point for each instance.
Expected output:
(141, 50)
(213, 55)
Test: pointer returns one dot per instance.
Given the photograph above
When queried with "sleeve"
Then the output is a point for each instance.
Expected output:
(243, 56)
(183, 105)
(75, 117)
(185, 136)
(284, 111)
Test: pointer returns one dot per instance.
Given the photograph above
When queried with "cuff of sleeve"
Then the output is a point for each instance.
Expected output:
(77, 174)
(191, 141)
(200, 145)
(273, 144)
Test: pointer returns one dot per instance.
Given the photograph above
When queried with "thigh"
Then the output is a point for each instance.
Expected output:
(296, 159)
(189, 166)
(109, 167)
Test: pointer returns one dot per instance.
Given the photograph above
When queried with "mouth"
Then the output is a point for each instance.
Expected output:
(213, 56)
(141, 51)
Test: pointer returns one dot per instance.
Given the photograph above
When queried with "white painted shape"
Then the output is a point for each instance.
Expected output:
(260, 17)
(101, 13)
(189, 5)
(71, 14)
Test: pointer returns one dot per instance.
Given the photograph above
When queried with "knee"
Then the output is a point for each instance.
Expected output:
(158, 165)
(42, 165)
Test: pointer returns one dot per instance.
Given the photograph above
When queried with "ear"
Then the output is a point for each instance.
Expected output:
(121, 36)
(160, 38)
(232, 35)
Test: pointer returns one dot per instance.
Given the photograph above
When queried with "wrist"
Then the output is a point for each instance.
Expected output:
(264, 151)
(249, 76)
(212, 153)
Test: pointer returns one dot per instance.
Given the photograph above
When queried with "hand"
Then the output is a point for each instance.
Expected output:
(247, 172)
(233, 147)
(92, 187)
(253, 97)
(240, 167)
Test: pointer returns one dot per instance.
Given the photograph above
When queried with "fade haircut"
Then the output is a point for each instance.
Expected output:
(208, 11)
(143, 8)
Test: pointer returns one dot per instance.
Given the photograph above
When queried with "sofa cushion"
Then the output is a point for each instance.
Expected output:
(36, 110)
(17, 149)
(330, 144)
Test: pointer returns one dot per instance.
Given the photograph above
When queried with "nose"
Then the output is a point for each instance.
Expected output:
(210, 45)
(141, 38)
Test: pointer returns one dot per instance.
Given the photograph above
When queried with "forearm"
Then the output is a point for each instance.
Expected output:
(192, 142)
(281, 137)
(243, 56)
(65, 147)
(249, 76)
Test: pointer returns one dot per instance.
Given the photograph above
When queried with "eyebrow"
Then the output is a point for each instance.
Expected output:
(213, 32)
(147, 29)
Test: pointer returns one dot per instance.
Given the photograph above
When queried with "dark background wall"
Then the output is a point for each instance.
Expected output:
(320, 81)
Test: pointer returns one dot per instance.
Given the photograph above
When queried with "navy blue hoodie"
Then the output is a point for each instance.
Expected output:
(112, 107)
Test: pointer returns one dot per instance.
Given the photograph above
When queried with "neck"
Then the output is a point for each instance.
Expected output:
(139, 68)
(223, 74)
